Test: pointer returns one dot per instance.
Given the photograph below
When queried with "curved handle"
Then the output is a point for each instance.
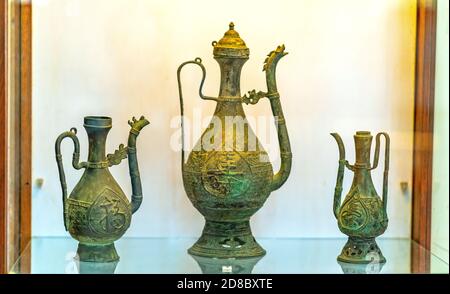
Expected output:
(197, 61)
(386, 164)
(72, 134)
(340, 175)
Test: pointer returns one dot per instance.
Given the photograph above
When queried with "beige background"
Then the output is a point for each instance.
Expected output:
(350, 67)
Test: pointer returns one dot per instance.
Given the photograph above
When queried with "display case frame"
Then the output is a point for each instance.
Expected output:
(15, 130)
(423, 130)
(16, 109)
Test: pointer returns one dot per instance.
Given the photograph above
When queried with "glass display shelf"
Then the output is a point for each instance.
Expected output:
(57, 255)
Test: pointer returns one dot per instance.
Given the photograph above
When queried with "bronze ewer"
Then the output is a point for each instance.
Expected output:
(230, 182)
(362, 216)
(97, 212)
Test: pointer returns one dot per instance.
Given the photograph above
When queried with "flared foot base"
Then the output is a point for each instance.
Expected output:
(97, 253)
(227, 240)
(361, 251)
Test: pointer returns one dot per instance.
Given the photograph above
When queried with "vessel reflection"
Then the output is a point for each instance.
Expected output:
(354, 268)
(85, 267)
(210, 265)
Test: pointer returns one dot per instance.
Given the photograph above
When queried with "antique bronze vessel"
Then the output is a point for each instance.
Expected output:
(97, 212)
(231, 181)
(362, 216)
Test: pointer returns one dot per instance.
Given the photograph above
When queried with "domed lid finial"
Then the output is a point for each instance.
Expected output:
(231, 45)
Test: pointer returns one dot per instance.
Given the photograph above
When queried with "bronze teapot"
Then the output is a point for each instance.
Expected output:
(97, 212)
(362, 216)
(231, 181)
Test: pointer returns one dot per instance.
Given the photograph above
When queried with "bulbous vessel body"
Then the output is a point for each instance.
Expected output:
(228, 176)
(97, 212)
(362, 216)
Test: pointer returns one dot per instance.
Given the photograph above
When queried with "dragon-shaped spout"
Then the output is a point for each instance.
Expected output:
(253, 97)
(136, 187)
(283, 138)
(130, 151)
(270, 65)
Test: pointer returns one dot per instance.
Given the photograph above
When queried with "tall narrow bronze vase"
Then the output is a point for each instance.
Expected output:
(362, 216)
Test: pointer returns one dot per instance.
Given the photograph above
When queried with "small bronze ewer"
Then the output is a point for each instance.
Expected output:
(230, 182)
(362, 216)
(97, 212)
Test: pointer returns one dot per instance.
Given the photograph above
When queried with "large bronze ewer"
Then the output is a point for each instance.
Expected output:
(362, 216)
(230, 182)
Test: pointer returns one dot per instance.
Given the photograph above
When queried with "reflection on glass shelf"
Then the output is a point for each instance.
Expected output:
(227, 265)
(95, 267)
(169, 256)
(371, 268)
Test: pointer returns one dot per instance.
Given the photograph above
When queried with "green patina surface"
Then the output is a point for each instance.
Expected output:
(362, 216)
(97, 212)
(229, 183)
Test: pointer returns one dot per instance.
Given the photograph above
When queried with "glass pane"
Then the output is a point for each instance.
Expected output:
(440, 208)
(350, 67)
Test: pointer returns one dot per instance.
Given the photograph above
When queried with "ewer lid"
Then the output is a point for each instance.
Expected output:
(231, 45)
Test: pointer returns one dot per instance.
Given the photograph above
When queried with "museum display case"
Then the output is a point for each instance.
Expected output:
(261, 187)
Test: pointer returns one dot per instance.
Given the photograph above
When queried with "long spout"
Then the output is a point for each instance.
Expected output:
(136, 186)
(340, 175)
(283, 138)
